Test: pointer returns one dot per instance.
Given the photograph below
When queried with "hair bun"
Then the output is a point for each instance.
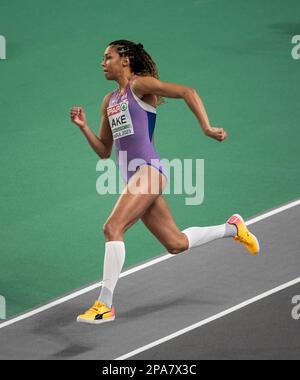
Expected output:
(140, 46)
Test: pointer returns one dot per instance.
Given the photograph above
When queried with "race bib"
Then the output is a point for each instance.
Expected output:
(120, 120)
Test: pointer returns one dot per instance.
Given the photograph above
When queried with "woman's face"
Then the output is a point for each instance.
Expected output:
(113, 65)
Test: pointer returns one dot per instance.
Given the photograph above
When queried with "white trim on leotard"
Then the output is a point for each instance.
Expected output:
(143, 104)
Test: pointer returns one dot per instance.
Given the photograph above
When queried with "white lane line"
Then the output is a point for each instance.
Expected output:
(209, 320)
(128, 272)
(273, 212)
(80, 292)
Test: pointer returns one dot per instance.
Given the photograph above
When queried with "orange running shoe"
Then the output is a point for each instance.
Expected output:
(244, 235)
(98, 313)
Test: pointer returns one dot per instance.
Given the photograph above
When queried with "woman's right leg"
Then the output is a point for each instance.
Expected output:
(159, 220)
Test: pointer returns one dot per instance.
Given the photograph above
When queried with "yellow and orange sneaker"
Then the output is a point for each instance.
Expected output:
(244, 235)
(98, 313)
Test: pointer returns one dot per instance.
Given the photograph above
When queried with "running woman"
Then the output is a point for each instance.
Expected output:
(128, 117)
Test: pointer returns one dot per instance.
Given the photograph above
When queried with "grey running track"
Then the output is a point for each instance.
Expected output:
(179, 292)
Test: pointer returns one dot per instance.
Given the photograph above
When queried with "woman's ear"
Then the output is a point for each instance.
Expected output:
(125, 62)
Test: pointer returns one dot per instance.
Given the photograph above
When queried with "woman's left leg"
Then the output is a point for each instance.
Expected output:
(141, 191)
(144, 187)
(131, 205)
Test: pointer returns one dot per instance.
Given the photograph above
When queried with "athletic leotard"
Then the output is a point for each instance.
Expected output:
(132, 123)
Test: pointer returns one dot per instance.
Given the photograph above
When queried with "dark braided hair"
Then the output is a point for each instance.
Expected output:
(141, 62)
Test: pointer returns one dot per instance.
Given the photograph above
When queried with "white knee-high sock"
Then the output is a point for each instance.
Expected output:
(113, 263)
(202, 235)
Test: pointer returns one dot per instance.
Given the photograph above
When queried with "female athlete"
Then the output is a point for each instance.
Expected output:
(128, 117)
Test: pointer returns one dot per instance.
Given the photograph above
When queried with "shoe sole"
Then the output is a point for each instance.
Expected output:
(255, 238)
(96, 322)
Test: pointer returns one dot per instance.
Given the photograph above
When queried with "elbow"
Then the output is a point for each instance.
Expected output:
(189, 91)
(104, 156)
(105, 151)
(193, 91)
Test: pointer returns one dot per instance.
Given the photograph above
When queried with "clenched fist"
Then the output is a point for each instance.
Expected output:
(78, 117)
(216, 133)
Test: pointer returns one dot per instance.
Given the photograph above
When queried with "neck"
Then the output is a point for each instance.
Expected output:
(123, 81)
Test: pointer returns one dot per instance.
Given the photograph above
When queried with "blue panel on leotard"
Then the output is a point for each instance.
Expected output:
(151, 123)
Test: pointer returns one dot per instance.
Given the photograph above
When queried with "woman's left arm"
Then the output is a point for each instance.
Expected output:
(148, 85)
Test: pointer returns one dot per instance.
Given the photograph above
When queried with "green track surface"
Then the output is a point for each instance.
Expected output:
(236, 53)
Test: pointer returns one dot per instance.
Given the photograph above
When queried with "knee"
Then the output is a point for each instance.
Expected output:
(111, 229)
(178, 244)
(175, 249)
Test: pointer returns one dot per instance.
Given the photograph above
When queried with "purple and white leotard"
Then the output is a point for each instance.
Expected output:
(132, 123)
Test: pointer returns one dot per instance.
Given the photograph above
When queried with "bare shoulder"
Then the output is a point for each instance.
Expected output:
(105, 101)
(106, 98)
(141, 86)
(142, 79)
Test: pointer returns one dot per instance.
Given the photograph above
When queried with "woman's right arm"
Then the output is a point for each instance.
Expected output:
(103, 143)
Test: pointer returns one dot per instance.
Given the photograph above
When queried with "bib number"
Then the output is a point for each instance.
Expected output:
(120, 120)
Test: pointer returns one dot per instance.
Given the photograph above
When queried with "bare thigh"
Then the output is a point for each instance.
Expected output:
(136, 198)
(159, 220)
